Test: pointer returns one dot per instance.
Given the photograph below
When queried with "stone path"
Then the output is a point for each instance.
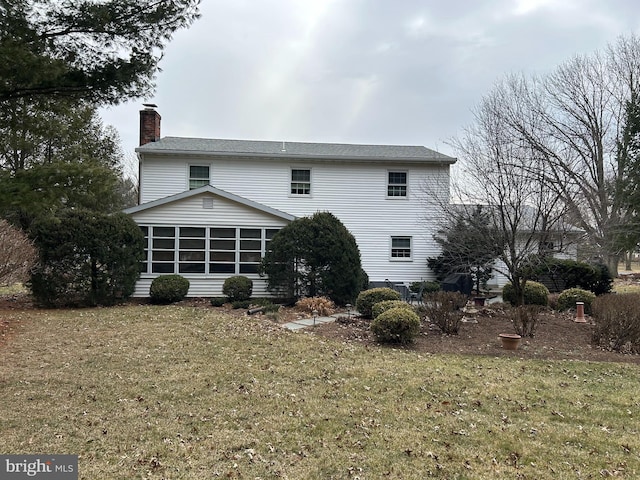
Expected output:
(309, 322)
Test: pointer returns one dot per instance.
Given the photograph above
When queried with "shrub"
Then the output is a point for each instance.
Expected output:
(397, 325)
(237, 288)
(561, 274)
(237, 304)
(617, 320)
(322, 305)
(534, 294)
(385, 305)
(427, 287)
(568, 298)
(168, 289)
(314, 256)
(367, 299)
(525, 319)
(17, 254)
(85, 258)
(444, 309)
(218, 301)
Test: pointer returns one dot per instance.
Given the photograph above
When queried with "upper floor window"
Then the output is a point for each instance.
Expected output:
(401, 248)
(397, 184)
(300, 182)
(198, 176)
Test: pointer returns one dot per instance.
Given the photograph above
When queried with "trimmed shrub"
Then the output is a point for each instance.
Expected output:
(385, 305)
(367, 299)
(534, 294)
(323, 305)
(568, 298)
(444, 309)
(617, 322)
(397, 325)
(238, 288)
(168, 289)
(240, 304)
(85, 258)
(218, 301)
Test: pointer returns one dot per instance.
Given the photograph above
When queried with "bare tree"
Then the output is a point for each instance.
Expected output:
(572, 123)
(506, 175)
(17, 254)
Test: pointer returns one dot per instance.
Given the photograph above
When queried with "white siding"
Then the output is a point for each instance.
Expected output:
(353, 192)
(190, 212)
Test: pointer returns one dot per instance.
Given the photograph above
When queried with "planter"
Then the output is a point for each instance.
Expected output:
(510, 341)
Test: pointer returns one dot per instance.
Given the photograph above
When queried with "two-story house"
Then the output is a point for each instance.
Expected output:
(209, 207)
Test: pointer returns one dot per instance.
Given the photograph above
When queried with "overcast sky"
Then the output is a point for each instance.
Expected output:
(360, 71)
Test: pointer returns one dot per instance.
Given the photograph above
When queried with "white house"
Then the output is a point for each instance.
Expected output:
(209, 207)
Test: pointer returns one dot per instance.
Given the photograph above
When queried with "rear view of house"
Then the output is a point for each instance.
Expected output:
(209, 207)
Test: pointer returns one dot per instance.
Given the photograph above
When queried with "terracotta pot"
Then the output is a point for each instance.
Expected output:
(510, 341)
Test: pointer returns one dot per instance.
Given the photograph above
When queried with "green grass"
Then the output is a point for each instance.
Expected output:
(166, 392)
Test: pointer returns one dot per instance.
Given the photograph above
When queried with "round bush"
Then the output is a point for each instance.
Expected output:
(534, 294)
(385, 305)
(397, 325)
(367, 299)
(568, 298)
(238, 288)
(168, 289)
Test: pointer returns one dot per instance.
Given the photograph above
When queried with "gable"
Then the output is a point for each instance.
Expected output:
(208, 205)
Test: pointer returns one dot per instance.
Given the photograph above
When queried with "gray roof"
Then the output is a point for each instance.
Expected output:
(270, 149)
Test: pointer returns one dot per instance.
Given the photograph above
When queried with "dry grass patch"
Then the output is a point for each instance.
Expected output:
(185, 393)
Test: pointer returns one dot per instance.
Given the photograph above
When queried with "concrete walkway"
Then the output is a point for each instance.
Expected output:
(309, 322)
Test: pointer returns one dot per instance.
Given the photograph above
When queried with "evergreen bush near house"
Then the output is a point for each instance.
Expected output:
(238, 288)
(385, 305)
(85, 258)
(534, 294)
(568, 298)
(314, 256)
(240, 304)
(367, 299)
(168, 289)
(218, 301)
(397, 325)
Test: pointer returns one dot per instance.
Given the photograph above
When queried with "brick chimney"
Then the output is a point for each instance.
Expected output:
(149, 124)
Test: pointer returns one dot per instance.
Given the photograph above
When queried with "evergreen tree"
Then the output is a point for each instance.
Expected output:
(105, 52)
(469, 245)
(314, 256)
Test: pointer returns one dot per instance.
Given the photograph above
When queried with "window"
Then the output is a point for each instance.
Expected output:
(300, 182)
(198, 176)
(401, 248)
(397, 184)
(205, 250)
(191, 255)
(163, 245)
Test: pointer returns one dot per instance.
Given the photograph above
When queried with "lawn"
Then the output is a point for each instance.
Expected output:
(181, 392)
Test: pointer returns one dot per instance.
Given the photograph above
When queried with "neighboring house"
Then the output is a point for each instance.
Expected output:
(209, 207)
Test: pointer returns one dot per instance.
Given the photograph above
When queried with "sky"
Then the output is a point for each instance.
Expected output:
(398, 72)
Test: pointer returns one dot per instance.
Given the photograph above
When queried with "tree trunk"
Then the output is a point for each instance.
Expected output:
(627, 258)
(612, 264)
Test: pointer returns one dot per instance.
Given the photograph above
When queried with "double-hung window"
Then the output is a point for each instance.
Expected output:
(400, 248)
(300, 181)
(397, 184)
(198, 176)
